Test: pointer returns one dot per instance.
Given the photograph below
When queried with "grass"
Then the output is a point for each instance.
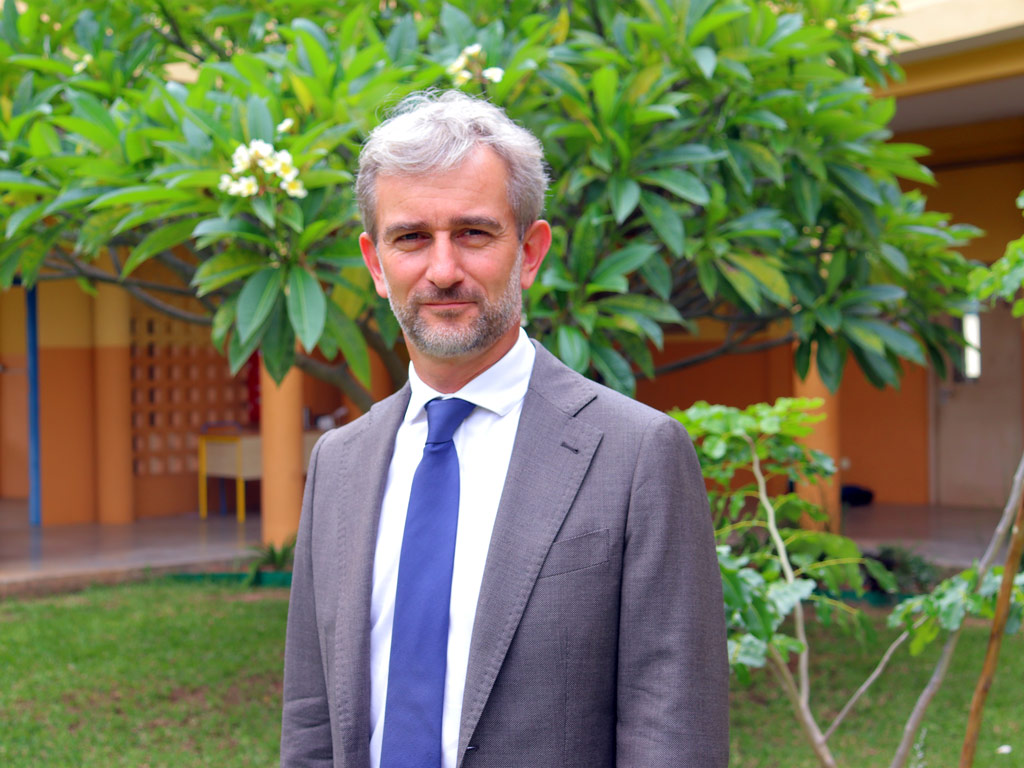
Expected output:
(168, 674)
(765, 734)
(156, 674)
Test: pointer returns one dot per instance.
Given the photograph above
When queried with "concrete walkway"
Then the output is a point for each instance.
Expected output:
(64, 558)
(40, 561)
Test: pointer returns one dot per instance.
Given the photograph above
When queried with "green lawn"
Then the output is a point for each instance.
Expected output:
(167, 674)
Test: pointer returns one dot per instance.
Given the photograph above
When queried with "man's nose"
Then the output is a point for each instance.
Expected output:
(444, 269)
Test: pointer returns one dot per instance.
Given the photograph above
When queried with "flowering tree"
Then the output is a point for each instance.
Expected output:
(722, 162)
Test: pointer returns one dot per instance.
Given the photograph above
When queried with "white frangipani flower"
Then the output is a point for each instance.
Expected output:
(284, 167)
(831, 24)
(494, 74)
(82, 64)
(294, 188)
(261, 150)
(457, 65)
(241, 159)
(473, 50)
(863, 13)
(1005, 749)
(861, 48)
(247, 186)
(462, 77)
(285, 125)
(225, 182)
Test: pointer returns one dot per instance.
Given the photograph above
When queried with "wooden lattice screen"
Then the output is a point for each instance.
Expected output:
(179, 383)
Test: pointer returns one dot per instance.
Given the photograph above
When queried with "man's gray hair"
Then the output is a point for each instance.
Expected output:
(435, 132)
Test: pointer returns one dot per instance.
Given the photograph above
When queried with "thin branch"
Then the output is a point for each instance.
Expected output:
(998, 536)
(917, 716)
(995, 641)
(733, 348)
(92, 273)
(340, 376)
(1003, 528)
(803, 659)
(397, 370)
(886, 658)
(800, 708)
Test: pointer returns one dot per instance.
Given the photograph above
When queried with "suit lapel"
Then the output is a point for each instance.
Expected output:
(366, 459)
(551, 456)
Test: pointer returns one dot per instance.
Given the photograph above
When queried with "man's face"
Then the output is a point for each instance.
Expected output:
(448, 259)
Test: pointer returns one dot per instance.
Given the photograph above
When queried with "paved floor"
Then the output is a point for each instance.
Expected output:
(70, 557)
(946, 536)
(39, 560)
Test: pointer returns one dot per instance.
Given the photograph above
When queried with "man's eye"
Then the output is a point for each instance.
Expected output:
(409, 237)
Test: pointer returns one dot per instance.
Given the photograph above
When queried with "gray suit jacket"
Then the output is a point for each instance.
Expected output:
(599, 637)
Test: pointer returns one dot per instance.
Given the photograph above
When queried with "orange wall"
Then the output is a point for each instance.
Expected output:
(736, 380)
(884, 436)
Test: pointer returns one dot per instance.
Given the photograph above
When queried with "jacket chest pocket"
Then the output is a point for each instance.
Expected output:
(577, 553)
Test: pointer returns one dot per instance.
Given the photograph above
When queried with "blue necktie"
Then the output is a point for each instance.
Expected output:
(419, 637)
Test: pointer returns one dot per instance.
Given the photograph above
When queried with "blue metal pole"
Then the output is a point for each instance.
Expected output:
(35, 515)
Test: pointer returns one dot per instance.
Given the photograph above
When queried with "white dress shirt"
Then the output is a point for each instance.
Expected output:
(484, 445)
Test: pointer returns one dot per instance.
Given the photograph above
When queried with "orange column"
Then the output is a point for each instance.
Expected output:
(825, 437)
(281, 454)
(112, 377)
(67, 422)
(13, 396)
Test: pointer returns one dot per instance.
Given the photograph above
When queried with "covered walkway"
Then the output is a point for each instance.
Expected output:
(59, 558)
(34, 561)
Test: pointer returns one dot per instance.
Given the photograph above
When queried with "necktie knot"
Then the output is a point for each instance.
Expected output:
(444, 417)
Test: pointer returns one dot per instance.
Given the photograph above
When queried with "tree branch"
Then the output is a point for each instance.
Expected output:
(338, 375)
(732, 347)
(398, 371)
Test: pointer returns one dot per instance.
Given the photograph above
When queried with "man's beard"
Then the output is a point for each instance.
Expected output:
(442, 340)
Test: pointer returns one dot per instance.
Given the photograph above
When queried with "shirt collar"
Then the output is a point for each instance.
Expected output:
(497, 389)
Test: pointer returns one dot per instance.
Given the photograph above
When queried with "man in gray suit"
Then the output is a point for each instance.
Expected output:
(581, 621)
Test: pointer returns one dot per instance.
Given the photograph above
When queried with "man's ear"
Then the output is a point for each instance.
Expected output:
(372, 261)
(535, 247)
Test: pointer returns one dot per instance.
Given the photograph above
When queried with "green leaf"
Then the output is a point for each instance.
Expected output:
(765, 270)
(351, 342)
(900, 342)
(223, 319)
(403, 38)
(225, 268)
(863, 335)
(807, 196)
(256, 299)
(158, 241)
(605, 84)
(894, 256)
(573, 348)
(216, 228)
(149, 193)
(624, 194)
(307, 308)
(261, 124)
(278, 344)
(713, 21)
(831, 361)
(706, 59)
(25, 216)
(660, 311)
(743, 284)
(665, 220)
(264, 210)
(680, 183)
(858, 182)
(13, 181)
(623, 262)
(612, 366)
